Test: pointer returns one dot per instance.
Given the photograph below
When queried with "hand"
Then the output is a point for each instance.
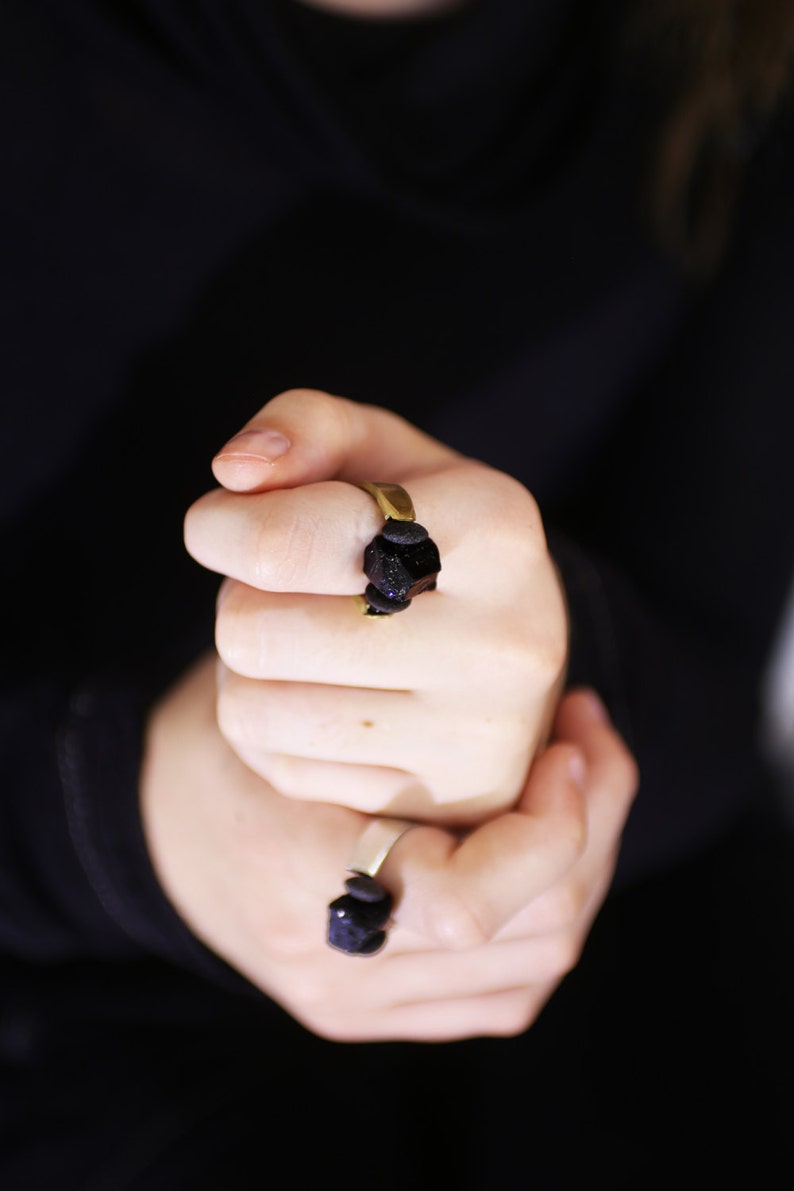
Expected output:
(485, 928)
(434, 713)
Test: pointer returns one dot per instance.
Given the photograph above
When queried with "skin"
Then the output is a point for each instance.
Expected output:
(432, 714)
(258, 766)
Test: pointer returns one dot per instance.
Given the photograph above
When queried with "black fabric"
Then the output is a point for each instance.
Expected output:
(137, 1076)
(204, 204)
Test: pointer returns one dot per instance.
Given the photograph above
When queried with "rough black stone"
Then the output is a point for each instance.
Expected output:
(407, 533)
(400, 571)
(365, 889)
(374, 944)
(356, 927)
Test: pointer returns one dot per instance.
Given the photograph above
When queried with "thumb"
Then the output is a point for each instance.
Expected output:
(303, 436)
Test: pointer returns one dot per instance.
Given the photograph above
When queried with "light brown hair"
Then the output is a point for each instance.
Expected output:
(725, 67)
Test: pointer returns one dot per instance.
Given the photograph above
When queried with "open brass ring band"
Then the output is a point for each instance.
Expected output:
(402, 560)
(375, 843)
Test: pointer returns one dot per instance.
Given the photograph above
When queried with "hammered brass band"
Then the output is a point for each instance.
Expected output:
(375, 843)
(393, 501)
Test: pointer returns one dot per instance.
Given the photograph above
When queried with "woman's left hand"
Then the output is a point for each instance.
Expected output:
(434, 713)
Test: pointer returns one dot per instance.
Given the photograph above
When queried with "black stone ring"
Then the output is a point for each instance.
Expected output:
(403, 559)
(357, 920)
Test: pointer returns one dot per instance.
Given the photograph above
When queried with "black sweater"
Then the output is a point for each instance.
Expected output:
(205, 203)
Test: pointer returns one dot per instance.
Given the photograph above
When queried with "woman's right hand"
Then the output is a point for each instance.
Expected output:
(485, 928)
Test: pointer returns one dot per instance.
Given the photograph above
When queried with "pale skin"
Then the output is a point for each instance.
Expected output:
(258, 767)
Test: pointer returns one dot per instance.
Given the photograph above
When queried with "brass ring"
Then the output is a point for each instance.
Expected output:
(402, 560)
(357, 919)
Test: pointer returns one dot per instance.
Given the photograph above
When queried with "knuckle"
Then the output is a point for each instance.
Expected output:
(515, 499)
(529, 653)
(281, 774)
(514, 520)
(565, 951)
(521, 657)
(504, 521)
(229, 721)
(320, 416)
(631, 773)
(233, 628)
(281, 549)
(549, 655)
(452, 922)
(565, 904)
(232, 712)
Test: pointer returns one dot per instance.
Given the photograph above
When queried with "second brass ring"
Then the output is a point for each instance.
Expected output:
(358, 920)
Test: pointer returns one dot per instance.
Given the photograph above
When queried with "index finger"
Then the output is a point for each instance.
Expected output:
(309, 539)
(312, 539)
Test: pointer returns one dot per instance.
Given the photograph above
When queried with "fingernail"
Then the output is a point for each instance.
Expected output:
(267, 445)
(576, 769)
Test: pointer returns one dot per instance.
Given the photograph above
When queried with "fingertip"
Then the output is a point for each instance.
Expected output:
(247, 462)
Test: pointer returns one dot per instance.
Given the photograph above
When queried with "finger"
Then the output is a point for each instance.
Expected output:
(610, 786)
(293, 637)
(312, 539)
(612, 775)
(289, 637)
(501, 1014)
(370, 789)
(310, 740)
(308, 539)
(461, 894)
(304, 435)
(420, 976)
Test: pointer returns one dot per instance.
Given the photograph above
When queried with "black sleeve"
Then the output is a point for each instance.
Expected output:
(104, 610)
(74, 874)
(676, 544)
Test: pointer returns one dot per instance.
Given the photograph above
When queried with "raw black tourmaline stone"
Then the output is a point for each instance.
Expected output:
(356, 919)
(401, 569)
(407, 533)
(366, 889)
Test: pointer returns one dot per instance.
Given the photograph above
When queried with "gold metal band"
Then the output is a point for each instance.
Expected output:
(375, 843)
(393, 501)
